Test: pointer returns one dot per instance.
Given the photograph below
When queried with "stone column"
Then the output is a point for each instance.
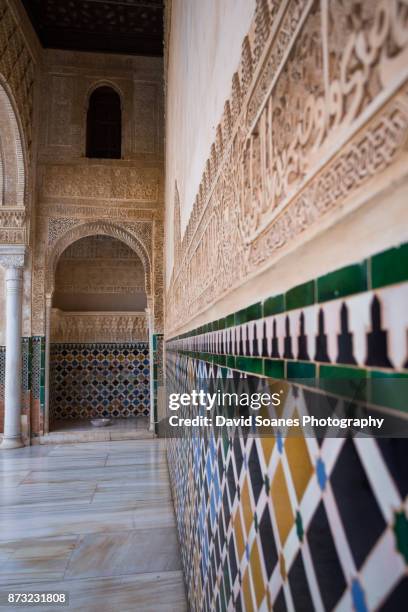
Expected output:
(149, 316)
(12, 258)
(48, 311)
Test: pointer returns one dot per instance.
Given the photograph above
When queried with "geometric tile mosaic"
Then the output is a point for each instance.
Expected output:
(103, 379)
(289, 523)
(299, 522)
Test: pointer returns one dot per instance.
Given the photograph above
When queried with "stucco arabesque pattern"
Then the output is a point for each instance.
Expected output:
(318, 107)
(99, 265)
(17, 66)
(136, 237)
(98, 327)
(17, 75)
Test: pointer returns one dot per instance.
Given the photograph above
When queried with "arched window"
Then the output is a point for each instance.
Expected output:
(104, 124)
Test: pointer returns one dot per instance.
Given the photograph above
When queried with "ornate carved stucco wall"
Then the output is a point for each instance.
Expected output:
(19, 65)
(314, 130)
(77, 196)
(89, 327)
(291, 270)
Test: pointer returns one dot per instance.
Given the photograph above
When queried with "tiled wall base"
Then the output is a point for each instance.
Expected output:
(89, 380)
(299, 522)
(158, 342)
(25, 391)
(295, 523)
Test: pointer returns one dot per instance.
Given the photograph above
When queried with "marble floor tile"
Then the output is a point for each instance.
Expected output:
(26, 452)
(124, 446)
(68, 522)
(35, 560)
(143, 491)
(152, 592)
(50, 463)
(128, 552)
(122, 473)
(95, 520)
(37, 494)
(139, 460)
(12, 478)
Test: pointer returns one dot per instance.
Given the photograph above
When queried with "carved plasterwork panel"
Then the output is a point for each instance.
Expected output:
(17, 67)
(158, 275)
(94, 182)
(102, 209)
(61, 102)
(99, 265)
(58, 227)
(318, 108)
(91, 327)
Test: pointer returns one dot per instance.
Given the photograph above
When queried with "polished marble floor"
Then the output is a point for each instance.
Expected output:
(81, 430)
(95, 520)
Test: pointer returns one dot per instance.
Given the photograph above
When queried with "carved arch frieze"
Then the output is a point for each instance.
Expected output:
(91, 229)
(12, 169)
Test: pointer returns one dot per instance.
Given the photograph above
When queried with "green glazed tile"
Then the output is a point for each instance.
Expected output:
(230, 320)
(249, 364)
(346, 281)
(248, 314)
(389, 389)
(336, 372)
(389, 267)
(300, 369)
(302, 295)
(274, 368)
(222, 323)
(344, 381)
(230, 361)
(274, 305)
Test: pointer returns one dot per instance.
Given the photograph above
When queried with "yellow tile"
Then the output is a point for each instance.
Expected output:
(246, 507)
(239, 537)
(281, 504)
(246, 589)
(301, 467)
(257, 577)
(268, 444)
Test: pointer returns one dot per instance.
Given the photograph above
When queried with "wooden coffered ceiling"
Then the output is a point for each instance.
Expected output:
(108, 26)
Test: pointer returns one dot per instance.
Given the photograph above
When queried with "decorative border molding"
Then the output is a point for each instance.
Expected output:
(317, 109)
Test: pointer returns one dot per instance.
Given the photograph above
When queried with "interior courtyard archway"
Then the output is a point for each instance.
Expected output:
(99, 361)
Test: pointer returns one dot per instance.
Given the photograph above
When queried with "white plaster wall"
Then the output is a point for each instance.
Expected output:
(204, 52)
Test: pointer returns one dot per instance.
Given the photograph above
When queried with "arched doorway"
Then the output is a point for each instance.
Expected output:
(99, 351)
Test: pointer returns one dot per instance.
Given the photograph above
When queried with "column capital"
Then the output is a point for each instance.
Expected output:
(12, 255)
